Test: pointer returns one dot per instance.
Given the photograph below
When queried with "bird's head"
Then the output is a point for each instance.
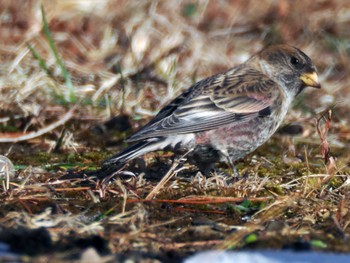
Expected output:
(290, 67)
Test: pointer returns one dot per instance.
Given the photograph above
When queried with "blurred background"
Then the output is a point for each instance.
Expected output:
(133, 56)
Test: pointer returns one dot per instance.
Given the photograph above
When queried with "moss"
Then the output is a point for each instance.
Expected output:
(275, 188)
(9, 128)
(36, 159)
(335, 182)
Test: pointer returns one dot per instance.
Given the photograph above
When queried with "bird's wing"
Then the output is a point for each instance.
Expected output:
(213, 102)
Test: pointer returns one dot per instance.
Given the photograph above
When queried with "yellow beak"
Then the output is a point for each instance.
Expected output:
(310, 79)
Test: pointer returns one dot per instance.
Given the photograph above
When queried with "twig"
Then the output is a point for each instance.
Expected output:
(206, 243)
(40, 132)
(325, 150)
(72, 189)
(308, 172)
(204, 200)
(167, 177)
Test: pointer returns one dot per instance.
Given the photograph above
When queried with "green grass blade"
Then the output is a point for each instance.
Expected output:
(39, 58)
(65, 73)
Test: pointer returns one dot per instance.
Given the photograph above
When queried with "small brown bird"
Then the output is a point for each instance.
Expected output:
(229, 114)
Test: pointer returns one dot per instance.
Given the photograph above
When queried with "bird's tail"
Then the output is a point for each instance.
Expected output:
(136, 150)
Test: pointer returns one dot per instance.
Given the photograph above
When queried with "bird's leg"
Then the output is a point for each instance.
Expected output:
(205, 158)
(233, 167)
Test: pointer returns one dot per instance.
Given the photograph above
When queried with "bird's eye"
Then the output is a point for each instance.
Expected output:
(296, 62)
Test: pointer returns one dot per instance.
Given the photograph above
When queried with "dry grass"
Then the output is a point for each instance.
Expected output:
(129, 58)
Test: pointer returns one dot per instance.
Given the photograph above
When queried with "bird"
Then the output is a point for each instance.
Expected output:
(228, 115)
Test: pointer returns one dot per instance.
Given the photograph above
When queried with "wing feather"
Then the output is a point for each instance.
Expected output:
(213, 102)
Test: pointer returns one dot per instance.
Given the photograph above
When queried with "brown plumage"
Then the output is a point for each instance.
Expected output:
(228, 114)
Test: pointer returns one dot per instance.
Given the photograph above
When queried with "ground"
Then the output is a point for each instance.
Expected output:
(76, 83)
